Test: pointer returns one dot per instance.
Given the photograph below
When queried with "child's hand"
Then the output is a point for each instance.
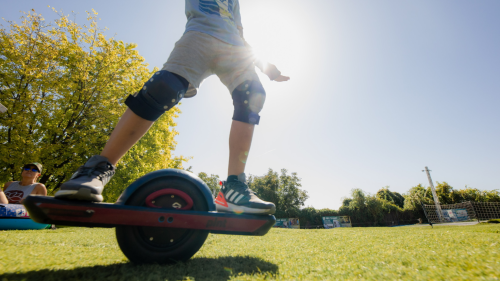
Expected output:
(274, 74)
(281, 78)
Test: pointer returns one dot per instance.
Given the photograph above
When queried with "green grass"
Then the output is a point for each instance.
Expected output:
(407, 253)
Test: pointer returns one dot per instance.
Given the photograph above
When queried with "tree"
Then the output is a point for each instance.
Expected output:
(346, 202)
(283, 190)
(358, 201)
(212, 181)
(370, 209)
(445, 193)
(64, 86)
(375, 207)
(390, 196)
(476, 195)
(267, 186)
(416, 195)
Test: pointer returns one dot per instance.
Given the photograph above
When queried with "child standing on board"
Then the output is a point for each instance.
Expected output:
(213, 43)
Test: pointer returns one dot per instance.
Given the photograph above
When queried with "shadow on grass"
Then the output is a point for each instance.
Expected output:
(194, 269)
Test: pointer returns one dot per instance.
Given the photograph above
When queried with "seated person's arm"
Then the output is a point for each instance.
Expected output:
(6, 185)
(3, 198)
(39, 189)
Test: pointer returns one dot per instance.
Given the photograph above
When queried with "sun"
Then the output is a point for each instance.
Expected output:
(275, 34)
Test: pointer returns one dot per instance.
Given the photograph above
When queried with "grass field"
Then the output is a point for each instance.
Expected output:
(408, 253)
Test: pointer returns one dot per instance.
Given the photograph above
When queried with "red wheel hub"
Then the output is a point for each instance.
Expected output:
(172, 192)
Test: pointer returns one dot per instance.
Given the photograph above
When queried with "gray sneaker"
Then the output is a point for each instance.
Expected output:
(88, 181)
(236, 197)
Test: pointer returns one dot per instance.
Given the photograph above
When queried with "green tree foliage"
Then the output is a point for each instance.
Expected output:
(355, 206)
(391, 208)
(283, 190)
(346, 202)
(416, 195)
(64, 86)
(362, 207)
(212, 181)
(390, 196)
(267, 186)
(311, 218)
(447, 195)
(476, 195)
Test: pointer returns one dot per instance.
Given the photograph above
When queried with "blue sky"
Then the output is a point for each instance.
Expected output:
(378, 89)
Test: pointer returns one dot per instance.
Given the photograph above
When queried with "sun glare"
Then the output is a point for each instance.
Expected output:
(275, 33)
(284, 33)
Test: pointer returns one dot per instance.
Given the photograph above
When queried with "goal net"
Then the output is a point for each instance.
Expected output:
(462, 212)
(487, 210)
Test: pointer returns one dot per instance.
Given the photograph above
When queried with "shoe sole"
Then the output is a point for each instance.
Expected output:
(82, 194)
(231, 208)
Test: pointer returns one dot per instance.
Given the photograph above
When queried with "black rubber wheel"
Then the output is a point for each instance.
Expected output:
(160, 244)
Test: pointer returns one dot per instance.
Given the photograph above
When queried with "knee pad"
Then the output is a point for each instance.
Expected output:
(160, 93)
(248, 100)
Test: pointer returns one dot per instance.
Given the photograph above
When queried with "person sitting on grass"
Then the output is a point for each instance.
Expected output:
(14, 192)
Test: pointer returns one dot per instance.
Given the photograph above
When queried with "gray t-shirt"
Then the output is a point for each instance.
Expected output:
(218, 18)
(16, 192)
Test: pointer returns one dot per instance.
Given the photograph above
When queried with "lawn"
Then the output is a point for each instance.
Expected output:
(408, 253)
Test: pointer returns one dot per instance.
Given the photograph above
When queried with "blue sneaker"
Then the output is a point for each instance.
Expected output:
(236, 197)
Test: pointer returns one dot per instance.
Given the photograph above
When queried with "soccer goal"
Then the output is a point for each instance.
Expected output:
(487, 210)
(462, 212)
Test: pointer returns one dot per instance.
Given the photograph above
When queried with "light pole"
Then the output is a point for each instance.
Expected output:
(434, 194)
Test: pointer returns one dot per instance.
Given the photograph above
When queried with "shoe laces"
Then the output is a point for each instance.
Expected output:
(243, 187)
(106, 174)
(90, 171)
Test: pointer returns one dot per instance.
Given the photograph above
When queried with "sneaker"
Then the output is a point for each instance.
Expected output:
(236, 197)
(88, 181)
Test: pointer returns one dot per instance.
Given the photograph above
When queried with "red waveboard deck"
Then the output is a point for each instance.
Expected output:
(49, 210)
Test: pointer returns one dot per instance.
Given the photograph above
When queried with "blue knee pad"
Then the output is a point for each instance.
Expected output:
(248, 100)
(160, 93)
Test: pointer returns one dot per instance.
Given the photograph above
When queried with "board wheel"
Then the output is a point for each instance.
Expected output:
(144, 244)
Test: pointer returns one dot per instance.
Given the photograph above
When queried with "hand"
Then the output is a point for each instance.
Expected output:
(281, 78)
(274, 74)
(271, 71)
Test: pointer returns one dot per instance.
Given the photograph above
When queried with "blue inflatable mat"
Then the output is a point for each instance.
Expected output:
(15, 216)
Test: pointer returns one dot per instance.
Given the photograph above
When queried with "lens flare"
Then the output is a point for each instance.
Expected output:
(243, 157)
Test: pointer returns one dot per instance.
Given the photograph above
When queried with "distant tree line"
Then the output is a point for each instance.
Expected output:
(385, 208)
(388, 208)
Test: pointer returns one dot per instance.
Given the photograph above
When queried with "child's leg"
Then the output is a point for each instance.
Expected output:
(127, 132)
(240, 140)
(88, 182)
(235, 68)
(248, 99)
(162, 92)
